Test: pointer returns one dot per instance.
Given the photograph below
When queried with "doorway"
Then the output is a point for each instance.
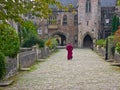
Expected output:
(87, 42)
(61, 39)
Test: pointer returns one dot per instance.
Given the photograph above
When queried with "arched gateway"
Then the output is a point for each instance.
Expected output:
(60, 38)
(87, 41)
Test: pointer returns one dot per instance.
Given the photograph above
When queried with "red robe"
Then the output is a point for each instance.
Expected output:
(69, 48)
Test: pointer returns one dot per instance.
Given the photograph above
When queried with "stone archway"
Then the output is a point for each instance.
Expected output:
(87, 41)
(60, 38)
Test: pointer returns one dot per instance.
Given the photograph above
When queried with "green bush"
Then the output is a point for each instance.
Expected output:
(51, 43)
(27, 29)
(118, 47)
(115, 23)
(41, 43)
(2, 66)
(29, 42)
(101, 42)
(9, 40)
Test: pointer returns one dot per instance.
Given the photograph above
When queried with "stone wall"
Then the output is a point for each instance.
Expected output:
(101, 51)
(117, 57)
(11, 67)
(42, 53)
(25, 59)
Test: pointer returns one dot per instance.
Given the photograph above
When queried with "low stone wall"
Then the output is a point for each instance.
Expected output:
(25, 58)
(100, 50)
(117, 57)
(39, 54)
(11, 67)
(42, 53)
(113, 57)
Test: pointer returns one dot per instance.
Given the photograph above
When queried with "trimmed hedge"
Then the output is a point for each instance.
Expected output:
(2, 66)
(9, 40)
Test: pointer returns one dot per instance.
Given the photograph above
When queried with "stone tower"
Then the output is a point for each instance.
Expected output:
(88, 22)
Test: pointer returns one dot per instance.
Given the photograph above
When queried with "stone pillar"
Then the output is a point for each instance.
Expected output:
(80, 42)
(34, 48)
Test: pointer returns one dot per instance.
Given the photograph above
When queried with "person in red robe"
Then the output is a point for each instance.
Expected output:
(69, 48)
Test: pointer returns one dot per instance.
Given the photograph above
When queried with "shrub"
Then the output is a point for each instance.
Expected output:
(118, 47)
(101, 42)
(41, 43)
(9, 40)
(117, 35)
(27, 29)
(33, 40)
(117, 40)
(111, 40)
(51, 43)
(2, 66)
(115, 23)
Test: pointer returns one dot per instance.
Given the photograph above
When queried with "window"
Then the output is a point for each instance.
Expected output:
(39, 31)
(64, 20)
(52, 20)
(88, 6)
(87, 23)
(76, 20)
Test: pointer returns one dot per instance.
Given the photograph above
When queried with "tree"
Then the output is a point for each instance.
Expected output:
(115, 24)
(13, 9)
(117, 40)
(27, 29)
(117, 35)
(118, 2)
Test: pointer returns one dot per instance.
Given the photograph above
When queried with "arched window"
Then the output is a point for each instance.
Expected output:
(65, 20)
(76, 20)
(88, 6)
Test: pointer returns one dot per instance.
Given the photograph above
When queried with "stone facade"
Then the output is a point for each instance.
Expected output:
(87, 28)
(88, 22)
(107, 13)
(90, 26)
(106, 21)
(66, 33)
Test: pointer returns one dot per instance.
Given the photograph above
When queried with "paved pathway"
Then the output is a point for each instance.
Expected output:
(87, 71)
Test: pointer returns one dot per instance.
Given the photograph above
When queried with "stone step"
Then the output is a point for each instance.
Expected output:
(115, 64)
(110, 60)
(6, 83)
(40, 60)
(25, 69)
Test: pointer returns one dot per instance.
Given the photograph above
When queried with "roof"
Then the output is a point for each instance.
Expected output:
(67, 2)
(108, 3)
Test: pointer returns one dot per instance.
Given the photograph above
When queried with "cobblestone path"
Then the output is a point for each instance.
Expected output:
(86, 71)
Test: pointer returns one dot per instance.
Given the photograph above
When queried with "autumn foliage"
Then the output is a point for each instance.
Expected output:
(117, 35)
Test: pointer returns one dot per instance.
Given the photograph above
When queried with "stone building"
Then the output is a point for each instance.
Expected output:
(107, 12)
(40, 23)
(88, 22)
(63, 25)
(82, 25)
